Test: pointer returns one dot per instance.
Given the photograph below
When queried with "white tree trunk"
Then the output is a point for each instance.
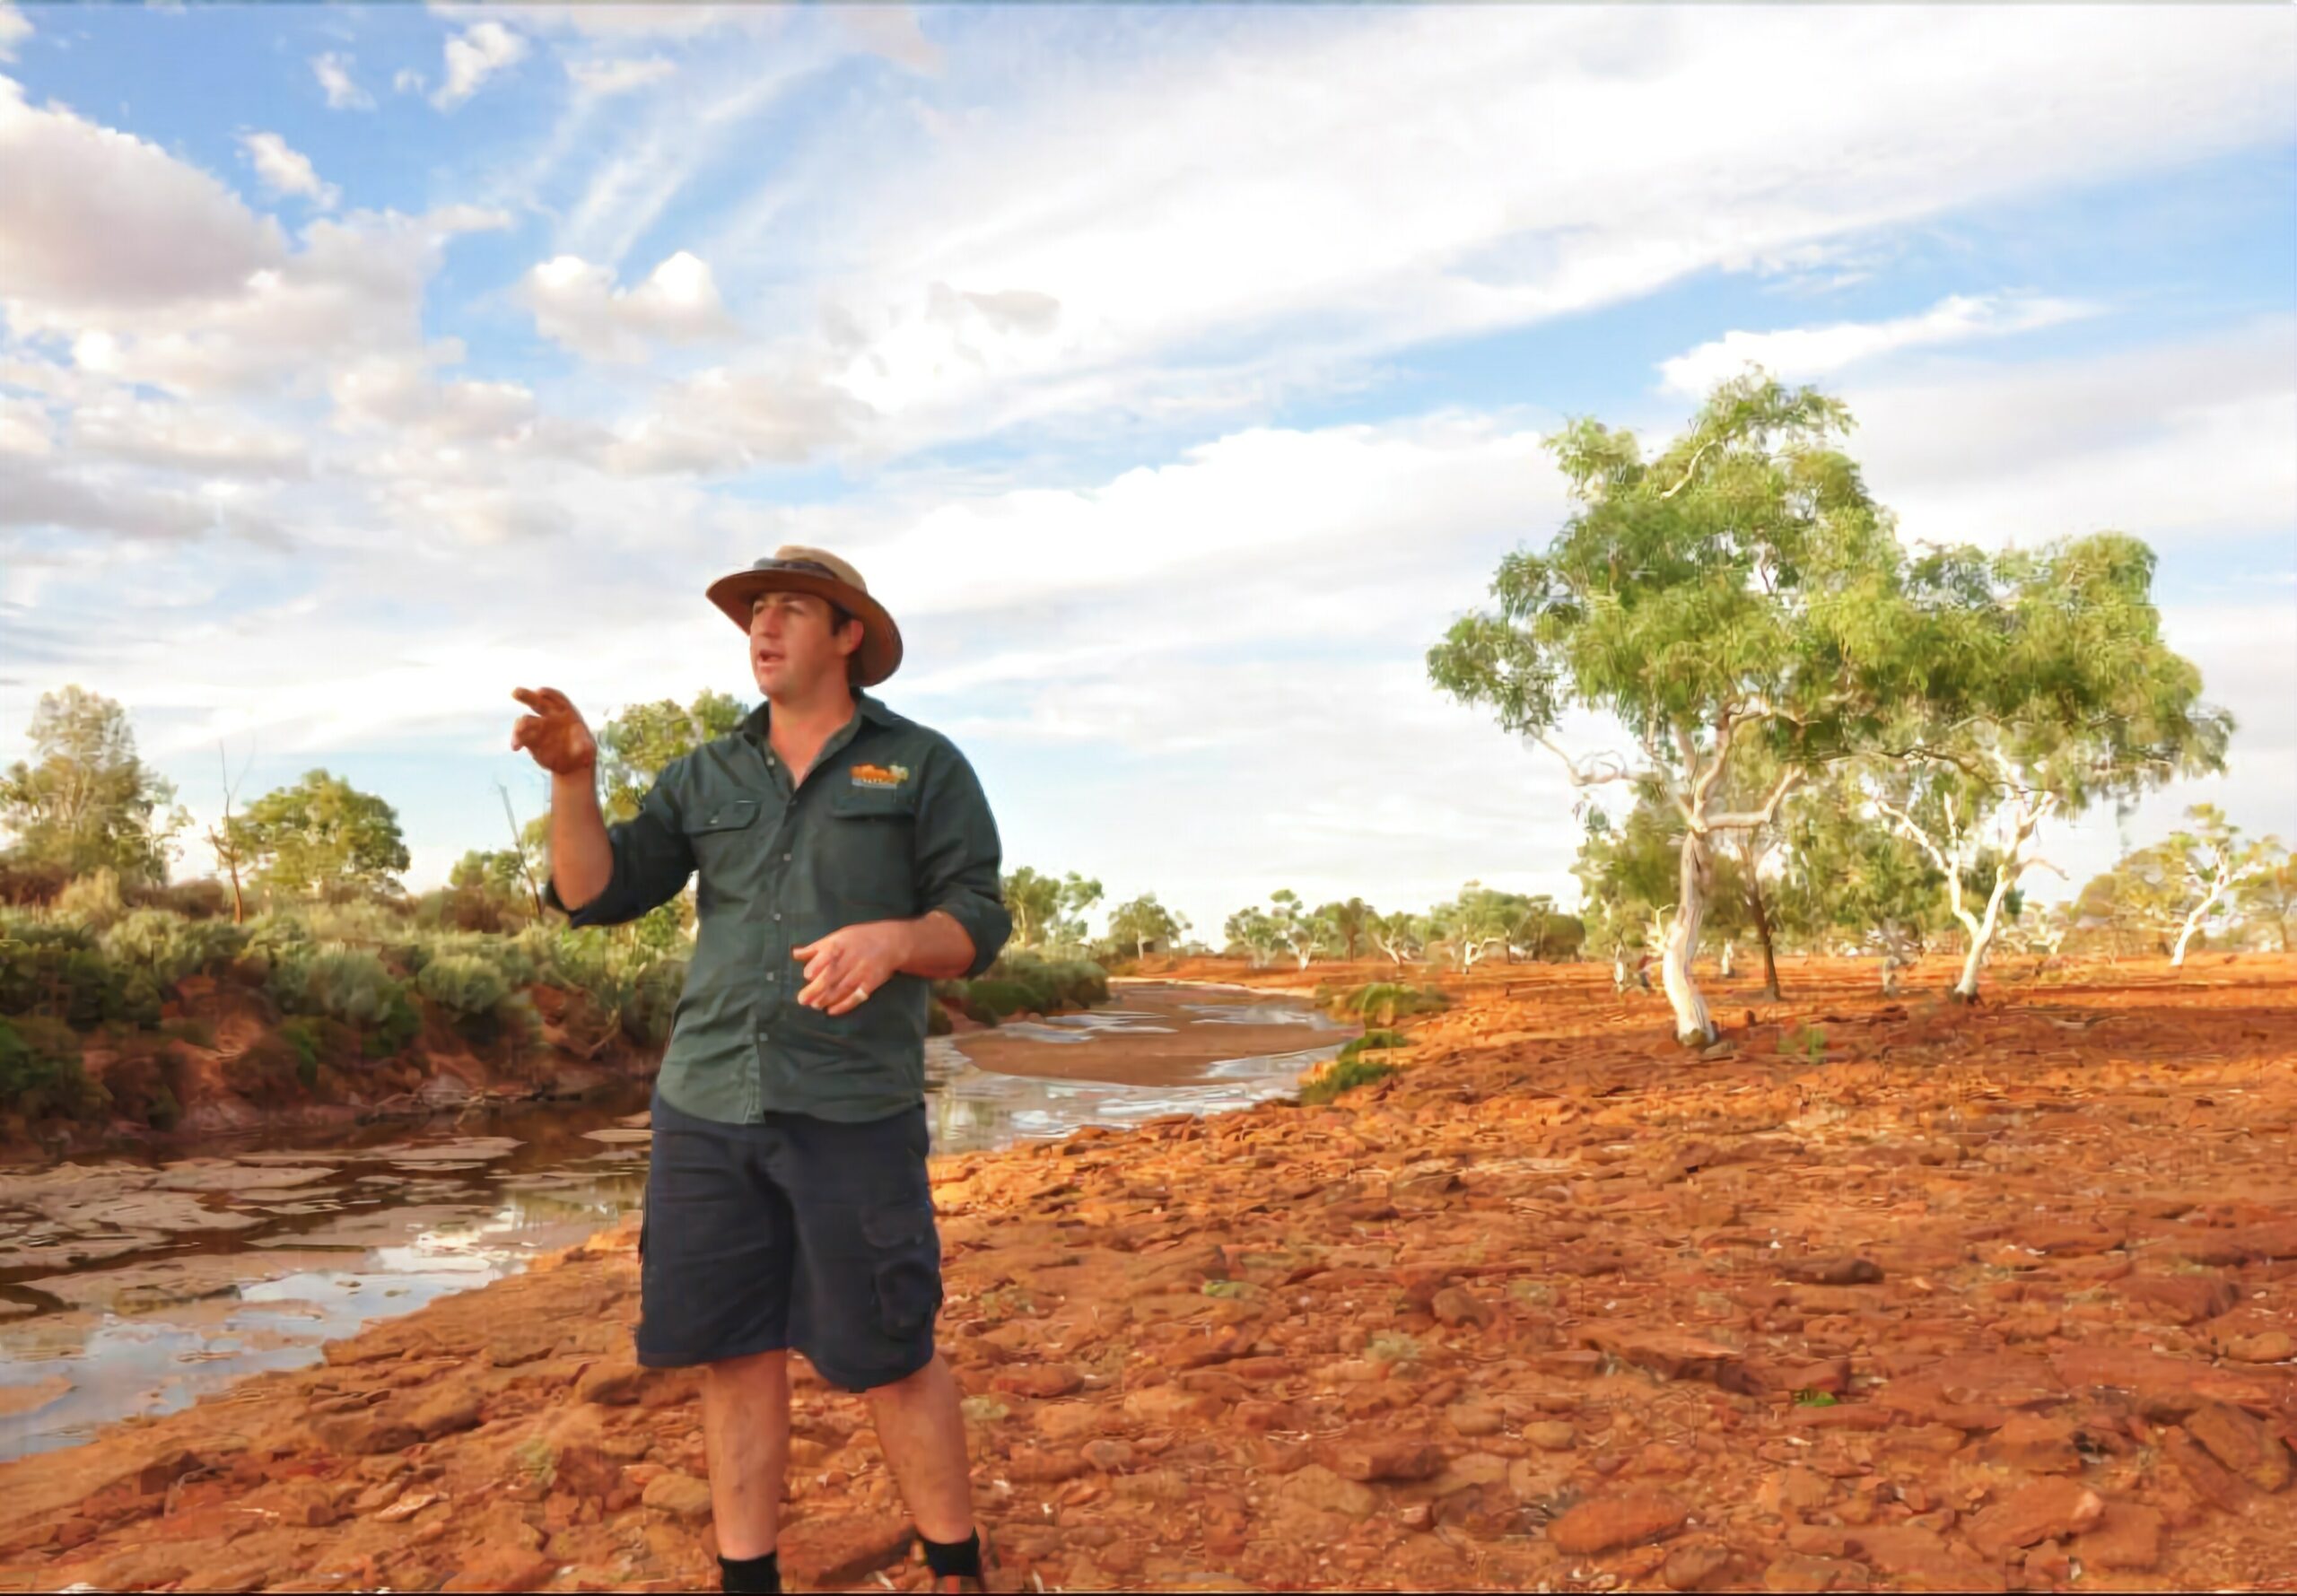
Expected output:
(1728, 948)
(2193, 922)
(1619, 970)
(1982, 930)
(1694, 1027)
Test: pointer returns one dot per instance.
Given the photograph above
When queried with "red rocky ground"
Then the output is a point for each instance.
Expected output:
(1945, 1300)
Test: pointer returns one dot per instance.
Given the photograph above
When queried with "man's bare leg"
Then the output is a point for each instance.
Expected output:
(745, 1427)
(924, 1435)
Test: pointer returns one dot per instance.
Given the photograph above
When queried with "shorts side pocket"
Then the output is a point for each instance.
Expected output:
(907, 1278)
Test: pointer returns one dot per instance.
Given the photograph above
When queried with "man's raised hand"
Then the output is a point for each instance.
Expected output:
(555, 734)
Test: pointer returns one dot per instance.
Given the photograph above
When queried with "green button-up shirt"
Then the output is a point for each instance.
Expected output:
(889, 824)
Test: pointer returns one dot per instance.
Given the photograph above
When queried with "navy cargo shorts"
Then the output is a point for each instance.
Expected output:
(795, 1233)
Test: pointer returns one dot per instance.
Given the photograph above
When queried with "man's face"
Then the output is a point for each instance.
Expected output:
(795, 644)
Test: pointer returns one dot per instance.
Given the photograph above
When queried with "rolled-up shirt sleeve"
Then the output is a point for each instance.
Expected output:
(651, 862)
(958, 856)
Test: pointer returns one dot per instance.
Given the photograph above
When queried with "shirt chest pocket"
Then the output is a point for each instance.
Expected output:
(721, 832)
(868, 848)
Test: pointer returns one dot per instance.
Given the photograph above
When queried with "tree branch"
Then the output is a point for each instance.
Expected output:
(1599, 768)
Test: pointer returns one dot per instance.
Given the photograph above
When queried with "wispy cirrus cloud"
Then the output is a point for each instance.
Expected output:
(1799, 355)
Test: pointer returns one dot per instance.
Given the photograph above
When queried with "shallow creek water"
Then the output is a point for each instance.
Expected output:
(132, 1284)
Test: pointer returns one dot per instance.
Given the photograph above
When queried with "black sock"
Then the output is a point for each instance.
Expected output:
(954, 1557)
(750, 1576)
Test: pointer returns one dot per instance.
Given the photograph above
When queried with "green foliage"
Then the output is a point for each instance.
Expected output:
(85, 801)
(1048, 912)
(990, 999)
(1810, 1397)
(1810, 1042)
(40, 1072)
(1383, 1002)
(94, 900)
(1142, 922)
(1373, 1041)
(349, 984)
(463, 984)
(637, 744)
(1342, 1077)
(303, 1035)
(1042, 985)
(166, 947)
(52, 966)
(322, 834)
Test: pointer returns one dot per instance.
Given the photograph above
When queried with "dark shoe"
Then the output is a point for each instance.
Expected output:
(955, 1584)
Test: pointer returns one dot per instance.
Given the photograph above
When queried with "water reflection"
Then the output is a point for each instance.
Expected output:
(135, 1286)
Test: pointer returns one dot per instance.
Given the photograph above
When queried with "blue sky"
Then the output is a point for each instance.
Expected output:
(1175, 374)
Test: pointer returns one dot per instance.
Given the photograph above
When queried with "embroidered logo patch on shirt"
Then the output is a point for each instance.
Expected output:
(880, 775)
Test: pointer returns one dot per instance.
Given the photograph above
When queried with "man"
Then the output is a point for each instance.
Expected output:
(846, 858)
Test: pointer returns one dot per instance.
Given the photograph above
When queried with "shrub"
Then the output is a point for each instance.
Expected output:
(167, 947)
(40, 1072)
(1053, 984)
(990, 1000)
(1371, 1042)
(937, 1022)
(1342, 1075)
(303, 1036)
(508, 956)
(1383, 1002)
(270, 937)
(463, 984)
(345, 983)
(94, 901)
(52, 966)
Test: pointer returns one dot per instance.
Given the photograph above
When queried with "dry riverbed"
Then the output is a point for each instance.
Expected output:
(1947, 1299)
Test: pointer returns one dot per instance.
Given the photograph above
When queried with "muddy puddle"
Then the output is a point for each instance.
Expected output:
(133, 1285)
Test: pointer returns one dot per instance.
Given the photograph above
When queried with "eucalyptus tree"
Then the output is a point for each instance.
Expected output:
(1734, 600)
(2048, 688)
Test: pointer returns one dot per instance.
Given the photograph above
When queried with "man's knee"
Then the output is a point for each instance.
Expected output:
(908, 1385)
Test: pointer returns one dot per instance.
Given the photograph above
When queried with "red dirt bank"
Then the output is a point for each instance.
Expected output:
(1555, 1307)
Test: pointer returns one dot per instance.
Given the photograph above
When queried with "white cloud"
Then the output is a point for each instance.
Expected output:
(2170, 442)
(473, 55)
(195, 440)
(78, 190)
(1302, 180)
(1799, 355)
(332, 71)
(355, 287)
(285, 170)
(604, 78)
(406, 80)
(399, 393)
(37, 495)
(577, 304)
(15, 27)
(25, 428)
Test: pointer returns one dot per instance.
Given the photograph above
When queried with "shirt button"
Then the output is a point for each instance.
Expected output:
(785, 858)
(777, 917)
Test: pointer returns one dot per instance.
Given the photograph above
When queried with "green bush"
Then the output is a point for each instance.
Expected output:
(349, 984)
(511, 958)
(465, 985)
(303, 1036)
(1053, 984)
(52, 966)
(94, 901)
(1344, 1076)
(40, 1072)
(990, 1000)
(273, 938)
(1383, 1002)
(166, 947)
(937, 1022)
(1371, 1042)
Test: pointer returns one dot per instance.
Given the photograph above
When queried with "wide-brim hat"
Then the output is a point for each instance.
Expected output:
(795, 569)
